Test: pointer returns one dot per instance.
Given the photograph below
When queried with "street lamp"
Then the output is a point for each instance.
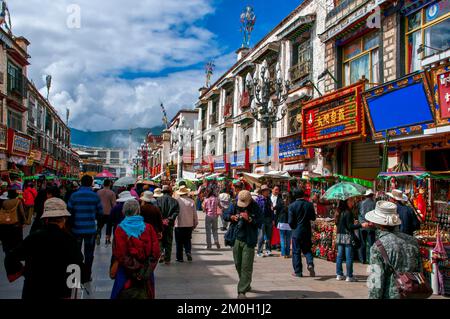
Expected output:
(179, 135)
(265, 105)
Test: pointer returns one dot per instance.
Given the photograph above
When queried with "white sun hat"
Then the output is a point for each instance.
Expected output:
(398, 195)
(125, 196)
(368, 192)
(55, 207)
(385, 213)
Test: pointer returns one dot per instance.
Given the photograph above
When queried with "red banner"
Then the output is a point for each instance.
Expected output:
(334, 117)
(443, 82)
(18, 143)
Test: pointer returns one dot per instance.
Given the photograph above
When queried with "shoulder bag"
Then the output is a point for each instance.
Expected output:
(410, 285)
(9, 216)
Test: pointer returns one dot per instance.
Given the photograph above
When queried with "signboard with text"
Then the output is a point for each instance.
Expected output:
(443, 82)
(3, 137)
(334, 117)
(18, 144)
(240, 160)
(290, 149)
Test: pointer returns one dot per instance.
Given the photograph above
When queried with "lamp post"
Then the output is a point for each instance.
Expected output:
(181, 135)
(264, 104)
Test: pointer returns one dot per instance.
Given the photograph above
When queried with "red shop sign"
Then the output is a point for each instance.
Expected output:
(443, 81)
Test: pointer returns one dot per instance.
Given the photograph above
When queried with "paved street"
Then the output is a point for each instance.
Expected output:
(212, 275)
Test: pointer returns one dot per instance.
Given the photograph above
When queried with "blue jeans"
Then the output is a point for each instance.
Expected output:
(367, 238)
(298, 247)
(285, 241)
(348, 250)
(265, 235)
(89, 247)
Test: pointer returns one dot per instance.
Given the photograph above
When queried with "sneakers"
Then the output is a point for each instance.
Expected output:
(208, 247)
(340, 278)
(180, 260)
(351, 279)
(269, 253)
(312, 273)
(189, 257)
(297, 275)
(242, 296)
(259, 255)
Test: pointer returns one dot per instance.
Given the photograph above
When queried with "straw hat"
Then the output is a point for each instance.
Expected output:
(385, 213)
(244, 199)
(368, 192)
(55, 207)
(125, 196)
(398, 195)
(147, 197)
(183, 191)
(4, 196)
(265, 188)
(157, 193)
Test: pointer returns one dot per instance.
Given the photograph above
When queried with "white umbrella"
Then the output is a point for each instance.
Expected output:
(125, 181)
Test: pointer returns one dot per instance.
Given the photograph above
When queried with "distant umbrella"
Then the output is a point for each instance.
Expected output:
(125, 181)
(344, 190)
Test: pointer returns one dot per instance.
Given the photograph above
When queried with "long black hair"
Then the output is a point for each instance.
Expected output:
(342, 206)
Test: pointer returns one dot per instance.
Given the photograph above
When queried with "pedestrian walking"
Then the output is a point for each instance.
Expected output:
(393, 251)
(47, 254)
(367, 236)
(265, 231)
(225, 204)
(277, 207)
(151, 212)
(169, 210)
(108, 199)
(39, 203)
(346, 239)
(185, 223)
(245, 219)
(136, 253)
(85, 207)
(282, 222)
(300, 215)
(116, 216)
(12, 220)
(210, 207)
(29, 196)
(71, 188)
(410, 222)
(132, 189)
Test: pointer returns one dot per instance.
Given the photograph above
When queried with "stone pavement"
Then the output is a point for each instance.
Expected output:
(212, 275)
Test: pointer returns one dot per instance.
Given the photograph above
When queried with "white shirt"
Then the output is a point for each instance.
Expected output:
(274, 200)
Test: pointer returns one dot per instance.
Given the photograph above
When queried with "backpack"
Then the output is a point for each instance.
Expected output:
(410, 285)
(9, 216)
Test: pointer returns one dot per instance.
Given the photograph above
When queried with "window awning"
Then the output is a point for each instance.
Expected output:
(270, 48)
(300, 25)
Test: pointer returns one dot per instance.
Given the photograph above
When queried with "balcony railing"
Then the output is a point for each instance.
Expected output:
(244, 103)
(299, 71)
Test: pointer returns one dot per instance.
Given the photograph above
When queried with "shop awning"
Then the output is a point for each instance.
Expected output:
(414, 174)
(189, 175)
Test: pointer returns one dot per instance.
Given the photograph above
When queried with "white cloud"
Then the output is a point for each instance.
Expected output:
(118, 37)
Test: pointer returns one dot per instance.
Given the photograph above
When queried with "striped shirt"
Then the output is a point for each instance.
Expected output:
(85, 206)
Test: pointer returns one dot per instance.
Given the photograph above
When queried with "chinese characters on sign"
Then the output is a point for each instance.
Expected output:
(334, 117)
(21, 144)
(3, 137)
(290, 149)
(444, 94)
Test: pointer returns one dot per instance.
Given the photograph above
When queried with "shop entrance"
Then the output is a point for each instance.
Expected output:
(437, 160)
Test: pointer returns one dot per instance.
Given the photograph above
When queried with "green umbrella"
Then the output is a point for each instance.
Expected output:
(344, 190)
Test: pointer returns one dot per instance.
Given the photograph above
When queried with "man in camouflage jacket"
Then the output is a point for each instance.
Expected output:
(402, 250)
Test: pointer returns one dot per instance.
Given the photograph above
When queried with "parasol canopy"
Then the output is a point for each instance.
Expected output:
(105, 174)
(125, 181)
(344, 190)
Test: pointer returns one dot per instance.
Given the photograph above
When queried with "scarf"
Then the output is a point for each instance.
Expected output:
(133, 226)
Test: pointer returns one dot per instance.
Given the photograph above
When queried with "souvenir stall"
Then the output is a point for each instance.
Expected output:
(429, 194)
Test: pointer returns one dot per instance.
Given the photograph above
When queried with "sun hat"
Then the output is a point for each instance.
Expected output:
(157, 193)
(4, 196)
(124, 197)
(265, 188)
(224, 200)
(244, 199)
(398, 195)
(183, 190)
(385, 213)
(96, 186)
(55, 207)
(147, 196)
(368, 192)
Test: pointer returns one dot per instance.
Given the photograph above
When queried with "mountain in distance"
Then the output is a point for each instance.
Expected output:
(112, 138)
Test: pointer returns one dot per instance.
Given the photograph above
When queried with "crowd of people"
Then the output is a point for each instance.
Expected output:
(141, 223)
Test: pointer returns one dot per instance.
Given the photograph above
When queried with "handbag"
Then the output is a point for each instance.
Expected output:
(410, 285)
(356, 242)
(9, 216)
(231, 235)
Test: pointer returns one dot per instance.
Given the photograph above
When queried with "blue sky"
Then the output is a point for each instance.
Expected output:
(115, 67)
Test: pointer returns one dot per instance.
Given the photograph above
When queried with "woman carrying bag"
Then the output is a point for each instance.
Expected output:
(12, 220)
(136, 253)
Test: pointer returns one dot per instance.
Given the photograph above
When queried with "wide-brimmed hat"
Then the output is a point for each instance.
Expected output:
(55, 207)
(157, 193)
(398, 195)
(368, 192)
(385, 213)
(244, 199)
(183, 190)
(265, 188)
(147, 196)
(4, 196)
(125, 196)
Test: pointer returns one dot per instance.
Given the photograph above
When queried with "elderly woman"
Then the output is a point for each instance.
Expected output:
(136, 253)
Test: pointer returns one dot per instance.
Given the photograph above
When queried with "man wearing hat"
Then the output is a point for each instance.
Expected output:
(265, 232)
(169, 210)
(151, 212)
(245, 220)
(116, 216)
(367, 236)
(402, 251)
(410, 223)
(47, 253)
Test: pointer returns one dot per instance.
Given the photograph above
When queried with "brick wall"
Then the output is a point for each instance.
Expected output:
(330, 64)
(389, 48)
